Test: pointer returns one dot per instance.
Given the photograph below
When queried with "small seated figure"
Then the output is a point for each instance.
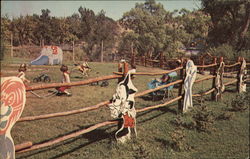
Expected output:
(165, 79)
(83, 68)
(22, 69)
(65, 79)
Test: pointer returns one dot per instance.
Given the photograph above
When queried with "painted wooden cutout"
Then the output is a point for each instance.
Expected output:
(191, 71)
(123, 106)
(220, 87)
(243, 76)
(13, 98)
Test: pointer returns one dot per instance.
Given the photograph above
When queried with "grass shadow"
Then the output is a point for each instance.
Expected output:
(78, 77)
(92, 137)
(164, 142)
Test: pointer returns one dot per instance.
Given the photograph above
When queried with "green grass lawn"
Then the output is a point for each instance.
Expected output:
(228, 139)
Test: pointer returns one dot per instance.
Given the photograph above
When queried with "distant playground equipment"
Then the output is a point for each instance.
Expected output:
(50, 55)
(42, 78)
(103, 83)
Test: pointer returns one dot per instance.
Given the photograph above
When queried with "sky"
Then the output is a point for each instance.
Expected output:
(113, 8)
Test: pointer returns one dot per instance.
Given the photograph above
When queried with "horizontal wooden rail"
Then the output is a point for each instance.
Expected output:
(111, 122)
(89, 129)
(233, 72)
(205, 66)
(159, 105)
(78, 83)
(231, 82)
(238, 63)
(22, 146)
(204, 93)
(203, 79)
(152, 73)
(158, 88)
(58, 114)
(89, 108)
(153, 60)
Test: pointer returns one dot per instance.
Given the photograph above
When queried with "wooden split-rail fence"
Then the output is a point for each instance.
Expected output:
(122, 71)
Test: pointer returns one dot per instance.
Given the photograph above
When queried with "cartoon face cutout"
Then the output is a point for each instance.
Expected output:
(13, 98)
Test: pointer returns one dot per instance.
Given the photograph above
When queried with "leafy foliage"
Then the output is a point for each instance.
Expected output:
(230, 20)
(241, 102)
(148, 29)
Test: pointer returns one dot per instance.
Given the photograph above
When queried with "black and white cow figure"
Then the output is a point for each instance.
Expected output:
(123, 106)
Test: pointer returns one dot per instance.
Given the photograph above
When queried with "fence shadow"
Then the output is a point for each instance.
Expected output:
(92, 137)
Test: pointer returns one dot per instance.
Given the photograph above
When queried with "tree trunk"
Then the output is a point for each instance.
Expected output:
(102, 51)
(245, 27)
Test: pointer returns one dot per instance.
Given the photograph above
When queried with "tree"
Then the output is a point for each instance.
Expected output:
(23, 30)
(96, 29)
(44, 30)
(147, 21)
(231, 20)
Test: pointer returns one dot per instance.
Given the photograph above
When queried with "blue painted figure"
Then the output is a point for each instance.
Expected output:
(165, 79)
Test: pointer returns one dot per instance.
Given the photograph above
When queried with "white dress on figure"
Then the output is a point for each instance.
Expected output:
(191, 71)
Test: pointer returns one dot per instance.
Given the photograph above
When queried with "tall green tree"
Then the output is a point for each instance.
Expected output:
(147, 21)
(231, 20)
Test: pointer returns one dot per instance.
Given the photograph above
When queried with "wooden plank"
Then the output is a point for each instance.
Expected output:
(89, 108)
(205, 93)
(238, 63)
(22, 146)
(203, 79)
(206, 66)
(159, 105)
(58, 114)
(152, 73)
(78, 83)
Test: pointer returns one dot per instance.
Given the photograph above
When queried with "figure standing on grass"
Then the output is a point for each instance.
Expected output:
(65, 79)
(191, 71)
(123, 106)
(22, 69)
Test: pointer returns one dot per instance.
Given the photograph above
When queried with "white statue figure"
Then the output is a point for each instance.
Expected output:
(220, 87)
(191, 71)
(242, 76)
(123, 105)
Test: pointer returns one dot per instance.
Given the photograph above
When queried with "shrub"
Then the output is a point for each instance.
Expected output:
(184, 122)
(141, 152)
(224, 50)
(178, 140)
(226, 116)
(241, 102)
(203, 118)
(245, 54)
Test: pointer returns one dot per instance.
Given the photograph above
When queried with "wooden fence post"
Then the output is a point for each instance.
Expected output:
(125, 69)
(73, 51)
(161, 60)
(180, 106)
(202, 63)
(102, 51)
(213, 95)
(120, 70)
(122, 67)
(238, 74)
(145, 61)
(132, 59)
(11, 43)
